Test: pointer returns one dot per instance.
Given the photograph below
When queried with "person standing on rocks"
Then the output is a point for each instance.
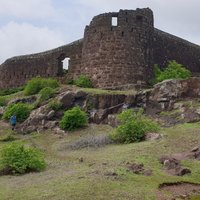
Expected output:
(13, 121)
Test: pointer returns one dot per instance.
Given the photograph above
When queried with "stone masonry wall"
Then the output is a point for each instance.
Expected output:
(113, 56)
(169, 47)
(119, 55)
(17, 71)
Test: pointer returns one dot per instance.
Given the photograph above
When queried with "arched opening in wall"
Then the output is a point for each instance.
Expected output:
(65, 63)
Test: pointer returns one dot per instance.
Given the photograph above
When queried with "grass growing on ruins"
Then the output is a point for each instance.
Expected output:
(99, 173)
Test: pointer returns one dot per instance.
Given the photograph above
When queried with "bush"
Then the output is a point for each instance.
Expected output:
(133, 127)
(21, 111)
(18, 159)
(55, 105)
(7, 138)
(36, 84)
(83, 81)
(3, 101)
(172, 71)
(73, 119)
(45, 94)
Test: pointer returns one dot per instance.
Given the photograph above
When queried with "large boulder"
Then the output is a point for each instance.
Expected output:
(36, 119)
(66, 99)
(168, 91)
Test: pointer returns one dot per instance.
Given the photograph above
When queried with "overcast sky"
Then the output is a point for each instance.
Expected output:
(30, 26)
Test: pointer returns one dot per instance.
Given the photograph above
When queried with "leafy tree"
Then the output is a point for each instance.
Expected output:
(173, 70)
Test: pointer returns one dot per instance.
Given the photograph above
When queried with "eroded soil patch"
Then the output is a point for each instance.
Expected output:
(178, 190)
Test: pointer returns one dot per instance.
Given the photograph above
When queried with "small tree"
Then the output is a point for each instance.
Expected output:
(83, 81)
(73, 119)
(173, 70)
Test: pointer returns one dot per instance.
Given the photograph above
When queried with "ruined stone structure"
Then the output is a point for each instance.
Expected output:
(112, 55)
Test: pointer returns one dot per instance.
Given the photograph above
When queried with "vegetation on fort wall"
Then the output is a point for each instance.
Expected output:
(18, 159)
(133, 127)
(36, 84)
(21, 111)
(82, 81)
(173, 70)
(73, 119)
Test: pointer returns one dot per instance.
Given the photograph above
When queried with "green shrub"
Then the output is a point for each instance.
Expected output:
(55, 105)
(45, 94)
(18, 159)
(73, 118)
(133, 127)
(173, 70)
(70, 82)
(10, 91)
(83, 81)
(7, 138)
(36, 84)
(3, 101)
(21, 111)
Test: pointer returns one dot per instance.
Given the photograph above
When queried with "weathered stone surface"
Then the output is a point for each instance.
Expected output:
(51, 114)
(66, 99)
(170, 90)
(29, 99)
(36, 119)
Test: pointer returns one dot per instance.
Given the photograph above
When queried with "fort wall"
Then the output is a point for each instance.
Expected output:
(119, 55)
(18, 70)
(169, 47)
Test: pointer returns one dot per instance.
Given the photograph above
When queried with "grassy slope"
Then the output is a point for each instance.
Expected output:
(67, 178)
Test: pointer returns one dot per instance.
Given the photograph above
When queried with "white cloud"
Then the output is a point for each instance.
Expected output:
(174, 16)
(30, 9)
(19, 39)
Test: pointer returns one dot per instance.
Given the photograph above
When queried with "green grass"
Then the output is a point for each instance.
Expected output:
(68, 178)
(100, 91)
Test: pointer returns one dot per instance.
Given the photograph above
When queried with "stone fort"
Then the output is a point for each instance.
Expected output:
(112, 55)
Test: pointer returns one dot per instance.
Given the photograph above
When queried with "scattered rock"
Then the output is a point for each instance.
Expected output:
(113, 121)
(2, 109)
(111, 174)
(59, 131)
(152, 136)
(173, 166)
(51, 124)
(51, 114)
(139, 169)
